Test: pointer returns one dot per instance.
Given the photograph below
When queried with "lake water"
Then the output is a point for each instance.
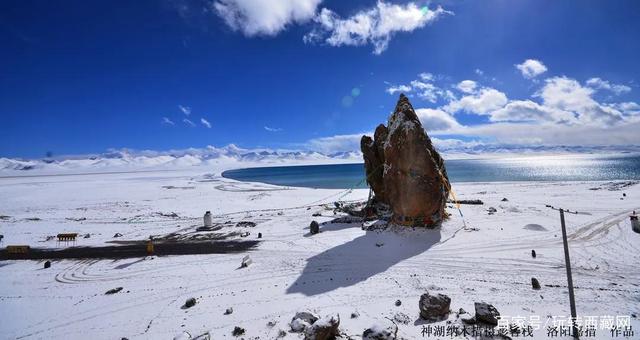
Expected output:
(539, 168)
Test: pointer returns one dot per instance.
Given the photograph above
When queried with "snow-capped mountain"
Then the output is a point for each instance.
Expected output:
(128, 160)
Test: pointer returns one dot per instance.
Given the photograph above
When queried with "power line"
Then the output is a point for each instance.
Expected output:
(567, 261)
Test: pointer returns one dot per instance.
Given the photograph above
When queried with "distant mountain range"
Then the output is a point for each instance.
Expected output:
(232, 155)
(129, 160)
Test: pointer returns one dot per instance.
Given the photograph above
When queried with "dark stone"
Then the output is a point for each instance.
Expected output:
(373, 153)
(190, 303)
(398, 303)
(324, 329)
(434, 307)
(534, 283)
(238, 331)
(533, 253)
(486, 313)
(505, 200)
(113, 291)
(245, 224)
(47, 264)
(259, 235)
(314, 227)
(228, 311)
(469, 202)
(302, 320)
(117, 235)
(405, 171)
(380, 333)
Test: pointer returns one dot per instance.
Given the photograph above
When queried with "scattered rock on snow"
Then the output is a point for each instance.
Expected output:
(190, 303)
(246, 224)
(398, 303)
(302, 320)
(324, 329)
(378, 332)
(171, 214)
(113, 291)
(246, 261)
(238, 331)
(470, 202)
(486, 313)
(314, 227)
(47, 264)
(355, 315)
(228, 311)
(533, 253)
(504, 199)
(534, 283)
(434, 306)
(117, 235)
(465, 317)
(492, 210)
(401, 318)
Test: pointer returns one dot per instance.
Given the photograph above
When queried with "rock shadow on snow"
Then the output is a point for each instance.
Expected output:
(358, 260)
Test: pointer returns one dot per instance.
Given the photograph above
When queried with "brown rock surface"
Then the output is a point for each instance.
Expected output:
(405, 171)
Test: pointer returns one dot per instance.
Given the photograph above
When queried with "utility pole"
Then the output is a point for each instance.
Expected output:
(567, 263)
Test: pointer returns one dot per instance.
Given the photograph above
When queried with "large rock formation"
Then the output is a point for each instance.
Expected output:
(405, 171)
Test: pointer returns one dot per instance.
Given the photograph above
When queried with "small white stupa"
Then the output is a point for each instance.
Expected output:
(208, 220)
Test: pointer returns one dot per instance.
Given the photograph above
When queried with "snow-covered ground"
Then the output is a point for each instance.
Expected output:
(342, 270)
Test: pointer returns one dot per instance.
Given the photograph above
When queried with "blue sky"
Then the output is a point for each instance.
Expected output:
(81, 77)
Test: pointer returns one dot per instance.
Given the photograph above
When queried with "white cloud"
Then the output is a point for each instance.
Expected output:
(375, 26)
(599, 84)
(271, 129)
(552, 134)
(529, 111)
(167, 121)
(531, 68)
(467, 86)
(264, 17)
(425, 76)
(436, 120)
(423, 87)
(627, 108)
(205, 123)
(337, 143)
(398, 89)
(426, 91)
(185, 109)
(189, 122)
(483, 102)
(567, 94)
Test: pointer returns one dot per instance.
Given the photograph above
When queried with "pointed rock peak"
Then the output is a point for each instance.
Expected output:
(403, 102)
(405, 171)
(403, 114)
